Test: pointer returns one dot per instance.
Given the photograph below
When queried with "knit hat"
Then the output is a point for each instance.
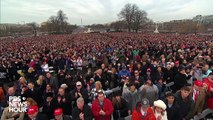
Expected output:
(160, 104)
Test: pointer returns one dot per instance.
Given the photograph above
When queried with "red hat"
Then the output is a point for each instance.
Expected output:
(58, 111)
(32, 110)
(176, 62)
(198, 83)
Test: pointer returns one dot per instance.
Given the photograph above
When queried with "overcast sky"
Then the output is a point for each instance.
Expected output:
(99, 11)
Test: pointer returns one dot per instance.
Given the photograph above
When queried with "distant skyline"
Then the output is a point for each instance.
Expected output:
(99, 11)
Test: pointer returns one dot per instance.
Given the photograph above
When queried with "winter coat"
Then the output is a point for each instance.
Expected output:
(132, 98)
(186, 106)
(150, 92)
(180, 80)
(107, 108)
(121, 110)
(210, 99)
(48, 108)
(11, 115)
(173, 112)
(86, 111)
(137, 115)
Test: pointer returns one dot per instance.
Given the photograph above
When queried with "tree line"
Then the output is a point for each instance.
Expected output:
(130, 18)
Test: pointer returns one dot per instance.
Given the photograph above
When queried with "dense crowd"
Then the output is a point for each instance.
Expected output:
(63, 77)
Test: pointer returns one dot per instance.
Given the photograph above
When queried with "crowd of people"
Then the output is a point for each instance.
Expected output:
(66, 77)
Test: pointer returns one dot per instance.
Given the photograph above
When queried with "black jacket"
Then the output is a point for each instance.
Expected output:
(36, 94)
(40, 116)
(168, 75)
(48, 108)
(42, 87)
(180, 80)
(103, 79)
(66, 105)
(186, 106)
(86, 111)
(120, 111)
(83, 92)
(173, 112)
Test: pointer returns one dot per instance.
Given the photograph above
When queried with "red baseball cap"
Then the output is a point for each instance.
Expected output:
(58, 111)
(176, 62)
(32, 110)
(198, 83)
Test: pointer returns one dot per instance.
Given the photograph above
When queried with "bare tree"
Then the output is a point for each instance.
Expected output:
(34, 27)
(133, 16)
(140, 17)
(52, 24)
(62, 20)
(57, 24)
(126, 15)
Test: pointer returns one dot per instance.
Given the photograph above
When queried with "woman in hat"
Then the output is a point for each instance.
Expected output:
(159, 109)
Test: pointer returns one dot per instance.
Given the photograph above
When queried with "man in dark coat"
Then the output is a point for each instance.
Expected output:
(58, 113)
(168, 74)
(121, 108)
(79, 91)
(82, 111)
(34, 93)
(49, 106)
(172, 109)
(52, 81)
(180, 79)
(137, 79)
(64, 101)
(33, 114)
(186, 103)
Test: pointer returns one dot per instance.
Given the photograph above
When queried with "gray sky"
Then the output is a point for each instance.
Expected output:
(99, 11)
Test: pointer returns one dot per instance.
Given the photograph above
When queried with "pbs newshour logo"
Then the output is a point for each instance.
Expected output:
(17, 104)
